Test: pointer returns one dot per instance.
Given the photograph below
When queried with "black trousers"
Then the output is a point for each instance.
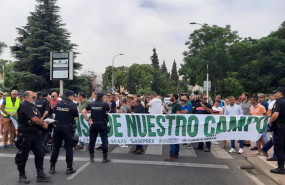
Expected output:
(279, 144)
(96, 128)
(60, 134)
(30, 142)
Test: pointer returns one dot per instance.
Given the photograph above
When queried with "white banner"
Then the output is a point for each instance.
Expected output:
(177, 128)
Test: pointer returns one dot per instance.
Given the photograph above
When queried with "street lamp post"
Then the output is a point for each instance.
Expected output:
(113, 91)
(207, 82)
(3, 67)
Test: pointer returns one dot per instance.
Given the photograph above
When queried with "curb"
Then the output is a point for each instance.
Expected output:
(264, 167)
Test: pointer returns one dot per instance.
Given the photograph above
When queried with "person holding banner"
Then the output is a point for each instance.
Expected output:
(203, 108)
(174, 148)
(138, 108)
(98, 124)
(234, 109)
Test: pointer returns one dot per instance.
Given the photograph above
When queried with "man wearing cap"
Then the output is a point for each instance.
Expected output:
(98, 124)
(9, 108)
(21, 95)
(66, 114)
(277, 124)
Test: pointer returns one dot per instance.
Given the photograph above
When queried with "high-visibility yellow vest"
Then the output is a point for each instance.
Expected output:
(10, 107)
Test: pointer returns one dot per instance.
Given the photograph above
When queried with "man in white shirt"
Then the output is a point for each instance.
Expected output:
(234, 109)
(155, 105)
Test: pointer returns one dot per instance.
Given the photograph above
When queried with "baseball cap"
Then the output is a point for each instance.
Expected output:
(69, 93)
(21, 93)
(280, 89)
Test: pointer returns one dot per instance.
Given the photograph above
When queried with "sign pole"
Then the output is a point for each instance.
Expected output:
(60, 86)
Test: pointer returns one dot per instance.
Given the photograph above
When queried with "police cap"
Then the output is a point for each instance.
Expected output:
(69, 93)
(99, 95)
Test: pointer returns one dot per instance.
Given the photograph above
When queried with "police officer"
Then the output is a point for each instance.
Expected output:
(277, 123)
(98, 124)
(44, 108)
(29, 130)
(66, 114)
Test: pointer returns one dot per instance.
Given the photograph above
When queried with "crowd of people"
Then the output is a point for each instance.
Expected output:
(245, 104)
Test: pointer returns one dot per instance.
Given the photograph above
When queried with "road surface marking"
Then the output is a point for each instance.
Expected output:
(122, 150)
(154, 150)
(143, 162)
(78, 171)
(220, 153)
(184, 151)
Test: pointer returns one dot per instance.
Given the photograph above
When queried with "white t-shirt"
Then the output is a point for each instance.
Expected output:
(155, 106)
(270, 106)
(217, 110)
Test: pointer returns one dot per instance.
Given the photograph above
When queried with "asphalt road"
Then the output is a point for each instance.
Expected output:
(194, 167)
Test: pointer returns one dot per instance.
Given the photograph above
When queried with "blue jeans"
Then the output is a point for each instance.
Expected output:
(267, 147)
(241, 143)
(139, 147)
(174, 149)
(201, 144)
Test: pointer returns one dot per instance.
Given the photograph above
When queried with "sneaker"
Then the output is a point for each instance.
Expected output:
(124, 146)
(232, 150)
(254, 148)
(189, 146)
(13, 145)
(4, 146)
(240, 151)
(257, 153)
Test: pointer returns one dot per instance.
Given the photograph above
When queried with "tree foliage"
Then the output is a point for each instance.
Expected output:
(43, 33)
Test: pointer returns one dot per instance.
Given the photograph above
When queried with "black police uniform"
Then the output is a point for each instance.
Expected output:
(28, 139)
(43, 105)
(65, 112)
(279, 135)
(99, 117)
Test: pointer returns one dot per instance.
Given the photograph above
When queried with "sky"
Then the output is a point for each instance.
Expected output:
(105, 28)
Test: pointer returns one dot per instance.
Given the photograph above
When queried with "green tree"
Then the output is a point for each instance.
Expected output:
(174, 74)
(154, 59)
(208, 45)
(43, 33)
(140, 76)
(164, 69)
(2, 46)
(120, 77)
